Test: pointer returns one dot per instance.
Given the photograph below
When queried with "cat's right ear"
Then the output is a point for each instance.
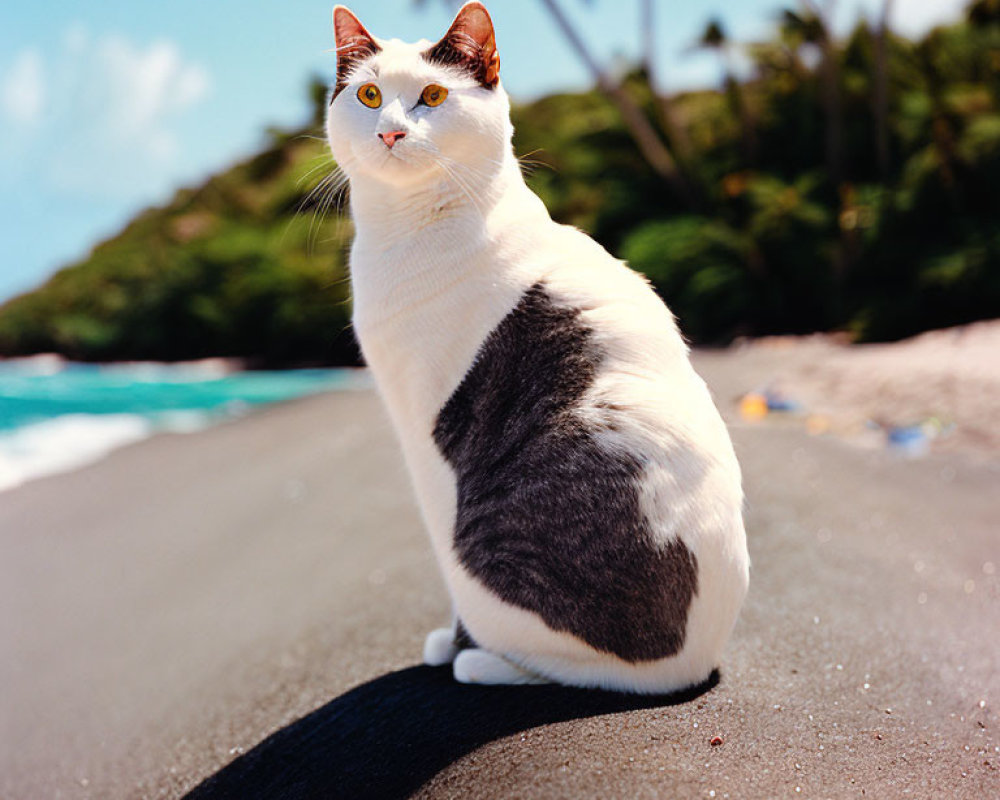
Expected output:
(354, 44)
(470, 44)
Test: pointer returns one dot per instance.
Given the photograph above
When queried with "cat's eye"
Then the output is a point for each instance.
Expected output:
(433, 95)
(370, 95)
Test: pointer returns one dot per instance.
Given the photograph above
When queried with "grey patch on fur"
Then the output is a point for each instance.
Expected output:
(463, 639)
(460, 50)
(547, 519)
(349, 56)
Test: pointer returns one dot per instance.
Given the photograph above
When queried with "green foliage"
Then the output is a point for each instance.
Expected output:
(697, 265)
(244, 265)
(251, 264)
(888, 251)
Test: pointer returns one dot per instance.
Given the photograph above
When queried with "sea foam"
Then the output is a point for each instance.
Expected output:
(64, 443)
(56, 416)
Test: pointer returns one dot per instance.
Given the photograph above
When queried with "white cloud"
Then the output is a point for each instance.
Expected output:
(915, 17)
(911, 18)
(106, 114)
(692, 68)
(145, 88)
(22, 93)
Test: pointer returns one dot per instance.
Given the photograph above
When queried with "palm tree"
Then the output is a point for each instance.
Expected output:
(984, 12)
(676, 133)
(714, 38)
(649, 142)
(942, 126)
(881, 98)
(813, 26)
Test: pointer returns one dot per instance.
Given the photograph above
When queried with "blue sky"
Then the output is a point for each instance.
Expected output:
(107, 107)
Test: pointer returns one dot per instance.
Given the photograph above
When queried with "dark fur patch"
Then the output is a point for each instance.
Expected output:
(463, 639)
(460, 50)
(349, 55)
(546, 519)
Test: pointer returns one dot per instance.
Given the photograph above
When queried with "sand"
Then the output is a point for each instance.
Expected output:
(169, 608)
(948, 377)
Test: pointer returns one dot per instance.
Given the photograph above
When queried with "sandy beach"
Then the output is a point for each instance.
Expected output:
(951, 377)
(167, 610)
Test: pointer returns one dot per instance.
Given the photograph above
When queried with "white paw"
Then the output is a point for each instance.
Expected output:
(439, 647)
(480, 666)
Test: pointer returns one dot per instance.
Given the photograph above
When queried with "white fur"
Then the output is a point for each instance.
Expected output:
(440, 647)
(476, 665)
(444, 250)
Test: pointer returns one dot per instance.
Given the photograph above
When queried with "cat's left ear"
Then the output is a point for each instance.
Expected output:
(354, 44)
(470, 44)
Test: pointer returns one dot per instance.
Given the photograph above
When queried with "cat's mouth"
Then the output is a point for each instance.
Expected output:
(401, 163)
(391, 158)
(398, 167)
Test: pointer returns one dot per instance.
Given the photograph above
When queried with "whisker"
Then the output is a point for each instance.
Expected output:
(469, 169)
(323, 162)
(529, 165)
(333, 190)
(330, 183)
(343, 192)
(534, 163)
(336, 282)
(319, 213)
(312, 136)
(333, 175)
(305, 201)
(342, 196)
(460, 183)
(531, 153)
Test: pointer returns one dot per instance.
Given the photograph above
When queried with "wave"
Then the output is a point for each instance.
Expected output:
(66, 442)
(56, 416)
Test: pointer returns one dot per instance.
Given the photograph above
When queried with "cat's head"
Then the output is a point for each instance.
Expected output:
(406, 113)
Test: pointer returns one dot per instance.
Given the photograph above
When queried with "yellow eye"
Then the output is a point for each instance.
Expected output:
(433, 95)
(370, 95)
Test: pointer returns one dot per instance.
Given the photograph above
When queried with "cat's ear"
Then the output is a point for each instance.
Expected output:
(471, 44)
(354, 44)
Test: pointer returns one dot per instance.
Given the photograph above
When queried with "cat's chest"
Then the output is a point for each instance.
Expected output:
(421, 326)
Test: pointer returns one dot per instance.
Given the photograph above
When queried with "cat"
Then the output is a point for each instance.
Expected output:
(580, 488)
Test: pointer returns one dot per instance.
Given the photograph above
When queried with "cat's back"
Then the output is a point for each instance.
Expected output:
(642, 360)
(596, 485)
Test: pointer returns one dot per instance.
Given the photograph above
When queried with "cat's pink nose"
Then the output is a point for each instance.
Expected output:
(391, 137)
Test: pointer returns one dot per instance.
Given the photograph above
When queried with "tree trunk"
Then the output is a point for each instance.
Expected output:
(647, 34)
(830, 72)
(882, 93)
(676, 134)
(650, 145)
(748, 124)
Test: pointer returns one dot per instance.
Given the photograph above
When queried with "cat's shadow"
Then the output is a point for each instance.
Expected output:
(387, 737)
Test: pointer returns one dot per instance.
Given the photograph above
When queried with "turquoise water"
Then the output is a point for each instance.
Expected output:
(56, 417)
(30, 395)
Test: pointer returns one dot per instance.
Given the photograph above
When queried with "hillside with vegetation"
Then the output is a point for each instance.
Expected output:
(847, 185)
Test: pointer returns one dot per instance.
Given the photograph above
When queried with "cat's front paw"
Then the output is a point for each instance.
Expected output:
(483, 667)
(440, 647)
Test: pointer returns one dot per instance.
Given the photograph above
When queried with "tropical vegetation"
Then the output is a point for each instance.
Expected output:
(845, 185)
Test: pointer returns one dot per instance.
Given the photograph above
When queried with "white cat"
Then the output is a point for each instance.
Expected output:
(580, 488)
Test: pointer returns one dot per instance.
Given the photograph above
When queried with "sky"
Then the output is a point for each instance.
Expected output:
(106, 108)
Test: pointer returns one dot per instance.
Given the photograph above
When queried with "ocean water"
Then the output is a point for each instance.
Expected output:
(56, 416)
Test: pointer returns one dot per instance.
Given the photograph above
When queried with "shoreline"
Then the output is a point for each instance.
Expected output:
(941, 388)
(170, 607)
(98, 416)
